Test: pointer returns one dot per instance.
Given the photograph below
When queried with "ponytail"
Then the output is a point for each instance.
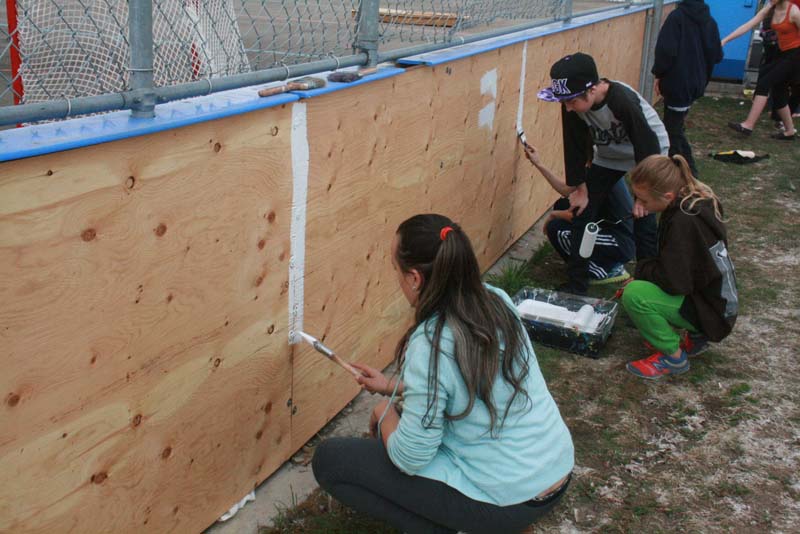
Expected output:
(665, 174)
(452, 292)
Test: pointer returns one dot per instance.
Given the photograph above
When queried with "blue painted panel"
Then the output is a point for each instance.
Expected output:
(383, 72)
(730, 14)
(75, 133)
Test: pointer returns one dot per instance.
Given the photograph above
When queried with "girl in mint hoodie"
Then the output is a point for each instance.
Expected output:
(480, 445)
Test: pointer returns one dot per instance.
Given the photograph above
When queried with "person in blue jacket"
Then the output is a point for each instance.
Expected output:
(687, 49)
(479, 444)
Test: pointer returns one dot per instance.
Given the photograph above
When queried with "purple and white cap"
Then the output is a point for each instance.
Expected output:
(572, 76)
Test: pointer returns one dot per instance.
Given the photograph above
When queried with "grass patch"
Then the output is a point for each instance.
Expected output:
(513, 277)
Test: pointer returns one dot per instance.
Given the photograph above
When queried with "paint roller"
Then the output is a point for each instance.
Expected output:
(580, 321)
(300, 84)
(590, 234)
(328, 353)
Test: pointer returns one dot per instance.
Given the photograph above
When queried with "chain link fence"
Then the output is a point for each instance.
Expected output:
(66, 49)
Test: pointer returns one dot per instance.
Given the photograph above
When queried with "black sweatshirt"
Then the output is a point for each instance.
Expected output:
(616, 134)
(687, 49)
(693, 261)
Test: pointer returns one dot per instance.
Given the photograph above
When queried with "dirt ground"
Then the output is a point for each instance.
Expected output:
(715, 450)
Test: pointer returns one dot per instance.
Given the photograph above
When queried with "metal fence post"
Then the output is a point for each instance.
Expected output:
(567, 10)
(650, 50)
(367, 37)
(140, 27)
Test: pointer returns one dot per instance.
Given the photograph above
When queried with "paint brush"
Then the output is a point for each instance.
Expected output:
(328, 353)
(522, 138)
(350, 76)
(300, 84)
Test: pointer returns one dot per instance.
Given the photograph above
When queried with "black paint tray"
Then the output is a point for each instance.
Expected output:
(556, 334)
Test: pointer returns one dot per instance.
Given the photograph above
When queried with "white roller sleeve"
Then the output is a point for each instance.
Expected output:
(589, 239)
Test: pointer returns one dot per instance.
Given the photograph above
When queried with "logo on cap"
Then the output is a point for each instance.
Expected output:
(559, 86)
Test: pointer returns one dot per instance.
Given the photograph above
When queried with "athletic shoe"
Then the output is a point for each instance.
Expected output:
(658, 365)
(615, 274)
(691, 344)
(694, 344)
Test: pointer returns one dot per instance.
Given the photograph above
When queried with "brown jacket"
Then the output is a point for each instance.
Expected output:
(693, 261)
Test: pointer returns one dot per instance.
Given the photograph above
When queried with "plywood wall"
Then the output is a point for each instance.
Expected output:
(147, 381)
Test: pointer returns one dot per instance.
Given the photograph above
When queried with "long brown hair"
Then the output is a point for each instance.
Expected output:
(451, 292)
(665, 174)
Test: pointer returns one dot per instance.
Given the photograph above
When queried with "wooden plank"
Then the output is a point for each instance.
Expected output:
(146, 368)
(416, 18)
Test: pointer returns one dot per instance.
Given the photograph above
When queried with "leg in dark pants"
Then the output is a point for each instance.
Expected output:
(605, 256)
(678, 144)
(645, 234)
(359, 473)
(599, 182)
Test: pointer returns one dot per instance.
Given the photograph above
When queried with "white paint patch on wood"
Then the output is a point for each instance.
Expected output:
(488, 86)
(297, 238)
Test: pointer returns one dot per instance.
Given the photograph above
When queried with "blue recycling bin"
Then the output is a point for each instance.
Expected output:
(730, 14)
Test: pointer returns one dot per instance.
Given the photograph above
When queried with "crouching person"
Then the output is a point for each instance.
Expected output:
(690, 287)
(480, 445)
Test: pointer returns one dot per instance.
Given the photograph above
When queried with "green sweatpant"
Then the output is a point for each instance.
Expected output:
(655, 313)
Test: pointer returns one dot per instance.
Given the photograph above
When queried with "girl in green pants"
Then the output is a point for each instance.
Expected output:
(691, 284)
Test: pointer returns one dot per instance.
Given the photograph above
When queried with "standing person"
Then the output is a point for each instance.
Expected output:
(614, 247)
(783, 71)
(691, 285)
(687, 49)
(480, 445)
(607, 128)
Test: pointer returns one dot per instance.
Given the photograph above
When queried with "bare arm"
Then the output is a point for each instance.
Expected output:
(749, 25)
(555, 182)
(794, 15)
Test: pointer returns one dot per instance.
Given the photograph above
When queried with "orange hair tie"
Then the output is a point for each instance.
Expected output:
(443, 233)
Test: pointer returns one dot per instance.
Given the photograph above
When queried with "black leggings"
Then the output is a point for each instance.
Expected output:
(359, 473)
(775, 77)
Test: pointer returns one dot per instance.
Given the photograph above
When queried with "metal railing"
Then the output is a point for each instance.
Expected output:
(65, 58)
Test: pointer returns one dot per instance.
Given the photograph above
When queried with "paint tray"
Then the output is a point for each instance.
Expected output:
(563, 331)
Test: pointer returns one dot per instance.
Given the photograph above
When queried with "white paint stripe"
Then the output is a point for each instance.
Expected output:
(521, 104)
(297, 257)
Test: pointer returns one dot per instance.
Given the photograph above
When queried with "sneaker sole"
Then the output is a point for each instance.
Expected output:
(658, 377)
(610, 280)
(699, 352)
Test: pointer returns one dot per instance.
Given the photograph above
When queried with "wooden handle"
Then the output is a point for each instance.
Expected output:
(272, 91)
(352, 370)
(367, 71)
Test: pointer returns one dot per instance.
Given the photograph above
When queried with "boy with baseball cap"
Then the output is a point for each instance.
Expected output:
(607, 129)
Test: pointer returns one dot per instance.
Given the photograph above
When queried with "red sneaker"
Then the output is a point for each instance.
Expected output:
(658, 365)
